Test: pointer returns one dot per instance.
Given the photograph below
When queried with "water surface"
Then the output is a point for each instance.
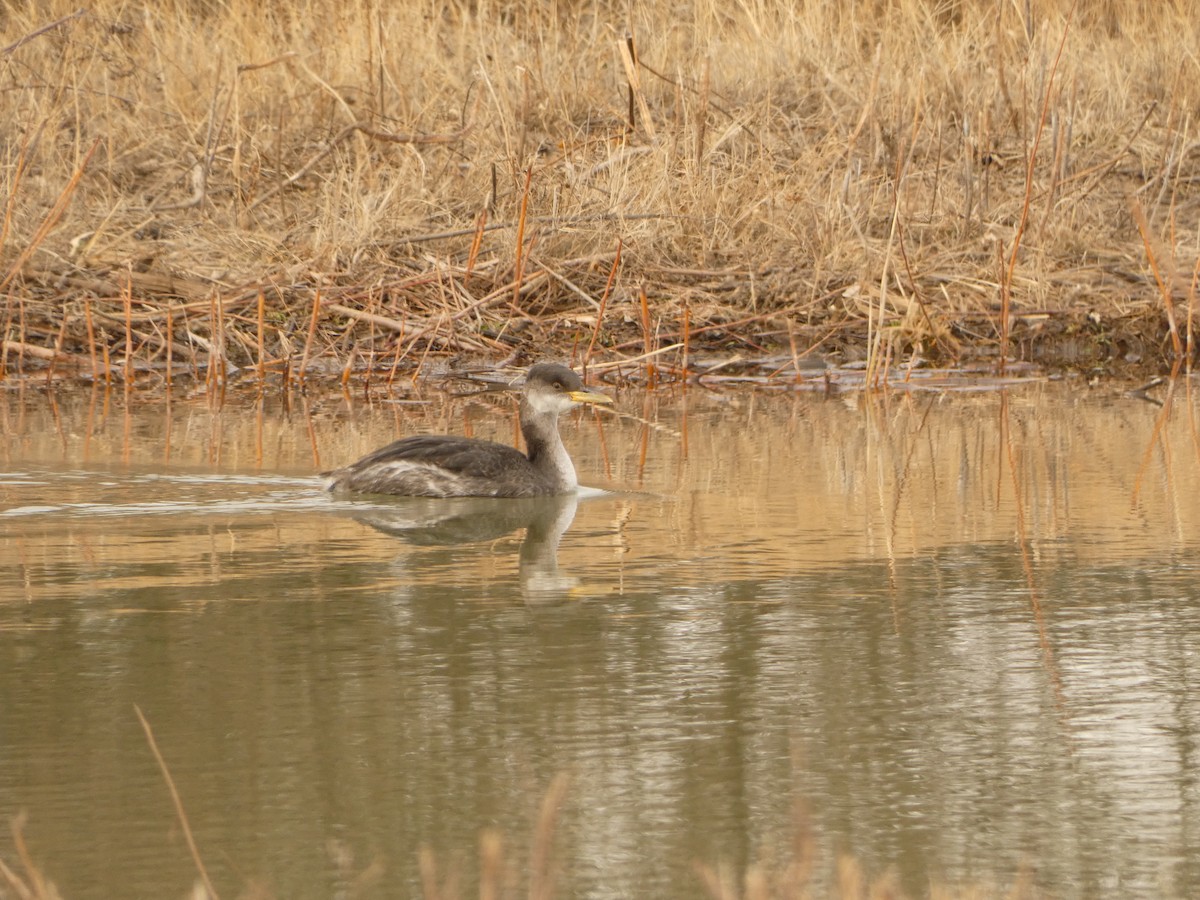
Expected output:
(951, 633)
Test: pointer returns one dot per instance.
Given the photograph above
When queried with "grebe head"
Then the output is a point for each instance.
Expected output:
(553, 389)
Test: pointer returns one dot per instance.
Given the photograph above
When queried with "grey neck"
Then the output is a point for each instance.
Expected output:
(545, 448)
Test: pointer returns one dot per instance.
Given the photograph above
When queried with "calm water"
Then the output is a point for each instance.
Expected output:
(956, 635)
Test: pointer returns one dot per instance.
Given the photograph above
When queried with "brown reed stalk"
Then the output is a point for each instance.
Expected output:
(644, 441)
(687, 331)
(170, 349)
(14, 188)
(107, 364)
(127, 304)
(519, 264)
(178, 802)
(51, 218)
(629, 59)
(1009, 272)
(791, 330)
(1139, 217)
(91, 334)
(648, 341)
(476, 242)
(524, 113)
(612, 275)
(262, 362)
(630, 116)
(1190, 312)
(702, 109)
(20, 336)
(311, 431)
(4, 339)
(211, 374)
(428, 346)
(396, 355)
(220, 341)
(1005, 293)
(372, 300)
(312, 331)
(193, 356)
(58, 351)
(886, 371)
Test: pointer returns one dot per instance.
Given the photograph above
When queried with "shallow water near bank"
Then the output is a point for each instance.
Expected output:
(954, 634)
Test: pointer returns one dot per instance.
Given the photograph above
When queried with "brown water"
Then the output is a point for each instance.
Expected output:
(958, 632)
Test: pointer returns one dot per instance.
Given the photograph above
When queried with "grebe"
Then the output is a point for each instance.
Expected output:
(444, 466)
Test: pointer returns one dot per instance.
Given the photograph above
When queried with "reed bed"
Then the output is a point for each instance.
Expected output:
(196, 188)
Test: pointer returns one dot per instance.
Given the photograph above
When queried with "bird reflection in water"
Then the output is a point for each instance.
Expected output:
(449, 522)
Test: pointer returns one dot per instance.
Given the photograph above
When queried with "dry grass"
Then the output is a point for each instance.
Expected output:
(322, 187)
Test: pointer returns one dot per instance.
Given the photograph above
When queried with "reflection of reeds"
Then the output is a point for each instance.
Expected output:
(795, 876)
(178, 803)
(30, 883)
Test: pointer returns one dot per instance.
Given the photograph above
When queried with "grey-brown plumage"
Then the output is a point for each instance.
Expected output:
(437, 466)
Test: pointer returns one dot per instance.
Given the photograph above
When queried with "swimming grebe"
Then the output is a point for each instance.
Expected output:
(437, 466)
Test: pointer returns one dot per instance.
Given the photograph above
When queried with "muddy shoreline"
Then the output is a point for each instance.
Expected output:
(1130, 346)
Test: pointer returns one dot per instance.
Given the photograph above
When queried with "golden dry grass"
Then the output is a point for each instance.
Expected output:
(395, 180)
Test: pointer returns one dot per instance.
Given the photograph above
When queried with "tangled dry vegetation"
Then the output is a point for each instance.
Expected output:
(322, 187)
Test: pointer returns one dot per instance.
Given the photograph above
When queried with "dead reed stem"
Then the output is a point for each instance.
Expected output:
(51, 219)
(34, 886)
(686, 327)
(127, 305)
(91, 334)
(1191, 307)
(57, 355)
(14, 189)
(647, 340)
(1009, 272)
(1139, 216)
(308, 340)
(476, 243)
(170, 349)
(262, 357)
(519, 264)
(608, 284)
(178, 802)
(220, 370)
